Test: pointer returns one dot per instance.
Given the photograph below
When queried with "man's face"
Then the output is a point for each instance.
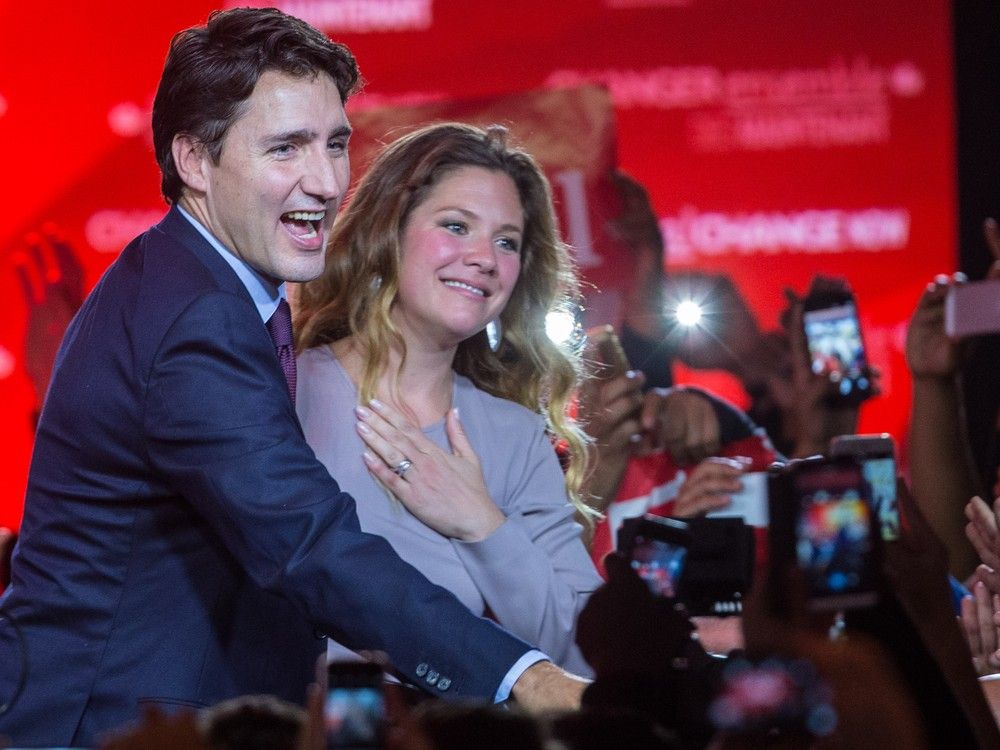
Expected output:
(281, 175)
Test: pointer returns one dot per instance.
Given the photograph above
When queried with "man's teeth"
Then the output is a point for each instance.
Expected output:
(462, 285)
(310, 221)
(306, 215)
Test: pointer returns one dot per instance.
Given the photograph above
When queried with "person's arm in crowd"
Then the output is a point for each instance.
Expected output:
(51, 278)
(811, 412)
(687, 422)
(609, 410)
(916, 569)
(624, 422)
(941, 467)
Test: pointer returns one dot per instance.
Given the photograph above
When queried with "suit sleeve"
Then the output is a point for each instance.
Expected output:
(221, 428)
(534, 572)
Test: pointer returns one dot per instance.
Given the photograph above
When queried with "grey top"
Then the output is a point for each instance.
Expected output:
(533, 574)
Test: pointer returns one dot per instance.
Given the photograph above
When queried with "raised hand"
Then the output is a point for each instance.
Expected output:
(811, 412)
(51, 278)
(980, 618)
(929, 352)
(445, 491)
(982, 531)
(682, 421)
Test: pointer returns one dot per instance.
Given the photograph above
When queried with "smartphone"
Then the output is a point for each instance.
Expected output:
(719, 568)
(972, 309)
(354, 710)
(877, 456)
(833, 338)
(704, 563)
(657, 551)
(835, 537)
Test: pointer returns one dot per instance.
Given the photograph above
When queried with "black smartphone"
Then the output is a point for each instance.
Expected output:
(835, 344)
(704, 563)
(877, 456)
(821, 521)
(354, 710)
(657, 551)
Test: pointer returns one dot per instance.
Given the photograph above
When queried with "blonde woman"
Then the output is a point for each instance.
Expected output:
(403, 398)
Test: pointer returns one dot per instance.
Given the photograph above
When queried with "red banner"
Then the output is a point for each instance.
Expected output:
(776, 141)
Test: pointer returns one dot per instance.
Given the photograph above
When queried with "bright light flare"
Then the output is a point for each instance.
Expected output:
(560, 326)
(688, 313)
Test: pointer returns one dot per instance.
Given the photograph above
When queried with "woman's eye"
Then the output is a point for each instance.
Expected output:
(458, 227)
(509, 244)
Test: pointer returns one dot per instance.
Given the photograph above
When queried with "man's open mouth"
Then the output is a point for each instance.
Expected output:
(303, 224)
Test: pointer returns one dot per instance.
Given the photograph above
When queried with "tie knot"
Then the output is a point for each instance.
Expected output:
(279, 325)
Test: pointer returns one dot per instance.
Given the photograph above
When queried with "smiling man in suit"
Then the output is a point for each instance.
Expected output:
(181, 544)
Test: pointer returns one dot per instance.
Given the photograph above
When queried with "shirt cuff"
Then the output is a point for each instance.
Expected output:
(514, 673)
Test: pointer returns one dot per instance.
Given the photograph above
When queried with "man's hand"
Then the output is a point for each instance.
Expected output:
(544, 687)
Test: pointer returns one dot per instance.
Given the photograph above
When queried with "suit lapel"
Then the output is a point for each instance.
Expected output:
(180, 229)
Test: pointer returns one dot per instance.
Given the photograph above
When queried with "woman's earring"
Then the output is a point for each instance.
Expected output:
(494, 332)
(375, 283)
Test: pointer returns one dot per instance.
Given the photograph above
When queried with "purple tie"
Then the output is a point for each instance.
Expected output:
(279, 326)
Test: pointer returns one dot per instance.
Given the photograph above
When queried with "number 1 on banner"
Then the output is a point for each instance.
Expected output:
(577, 222)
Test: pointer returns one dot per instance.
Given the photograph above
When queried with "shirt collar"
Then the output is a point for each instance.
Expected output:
(264, 294)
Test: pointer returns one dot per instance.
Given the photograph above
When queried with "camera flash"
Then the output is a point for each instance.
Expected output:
(560, 326)
(688, 313)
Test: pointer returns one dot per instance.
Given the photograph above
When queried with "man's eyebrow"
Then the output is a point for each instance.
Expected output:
(304, 135)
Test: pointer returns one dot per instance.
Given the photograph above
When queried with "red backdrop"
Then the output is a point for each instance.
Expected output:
(776, 139)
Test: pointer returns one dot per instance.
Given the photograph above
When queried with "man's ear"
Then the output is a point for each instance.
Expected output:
(190, 159)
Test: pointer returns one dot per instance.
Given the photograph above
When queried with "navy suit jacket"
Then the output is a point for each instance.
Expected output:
(181, 544)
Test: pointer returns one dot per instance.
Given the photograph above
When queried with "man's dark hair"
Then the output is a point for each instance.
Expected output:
(212, 70)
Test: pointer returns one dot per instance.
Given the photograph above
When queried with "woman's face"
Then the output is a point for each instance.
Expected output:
(461, 256)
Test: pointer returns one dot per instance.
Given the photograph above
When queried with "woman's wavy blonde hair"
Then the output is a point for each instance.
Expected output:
(355, 294)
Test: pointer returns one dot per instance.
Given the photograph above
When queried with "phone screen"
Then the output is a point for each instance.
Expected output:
(880, 473)
(833, 533)
(354, 712)
(659, 564)
(833, 335)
